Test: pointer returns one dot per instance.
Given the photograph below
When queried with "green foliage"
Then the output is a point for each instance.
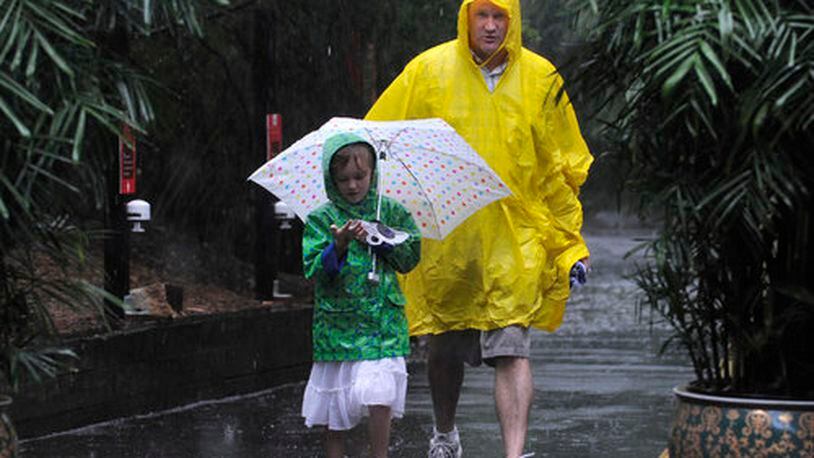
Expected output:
(307, 60)
(64, 77)
(73, 71)
(711, 105)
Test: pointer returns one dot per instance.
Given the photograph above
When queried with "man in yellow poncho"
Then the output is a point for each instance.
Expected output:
(506, 268)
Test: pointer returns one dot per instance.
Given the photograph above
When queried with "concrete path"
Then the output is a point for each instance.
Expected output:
(601, 390)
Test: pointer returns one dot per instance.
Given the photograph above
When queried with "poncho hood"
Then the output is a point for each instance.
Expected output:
(512, 43)
(366, 209)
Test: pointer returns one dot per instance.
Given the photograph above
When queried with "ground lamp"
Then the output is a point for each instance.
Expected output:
(284, 240)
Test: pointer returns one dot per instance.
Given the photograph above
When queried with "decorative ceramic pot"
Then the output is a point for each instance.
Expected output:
(8, 436)
(711, 426)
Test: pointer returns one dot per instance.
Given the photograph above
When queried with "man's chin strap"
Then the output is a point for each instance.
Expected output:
(497, 56)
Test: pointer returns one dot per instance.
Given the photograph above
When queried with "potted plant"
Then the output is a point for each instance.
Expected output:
(710, 106)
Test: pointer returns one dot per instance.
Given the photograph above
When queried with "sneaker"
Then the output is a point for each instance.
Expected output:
(445, 446)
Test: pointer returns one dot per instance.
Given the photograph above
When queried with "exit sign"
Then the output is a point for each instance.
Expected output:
(274, 135)
(127, 162)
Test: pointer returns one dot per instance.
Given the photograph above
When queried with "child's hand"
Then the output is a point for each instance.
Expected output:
(351, 230)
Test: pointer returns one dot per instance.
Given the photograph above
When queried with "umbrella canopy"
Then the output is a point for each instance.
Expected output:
(423, 164)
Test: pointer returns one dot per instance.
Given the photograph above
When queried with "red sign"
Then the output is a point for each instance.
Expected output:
(274, 135)
(127, 162)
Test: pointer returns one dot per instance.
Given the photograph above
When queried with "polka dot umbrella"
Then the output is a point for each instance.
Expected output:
(424, 165)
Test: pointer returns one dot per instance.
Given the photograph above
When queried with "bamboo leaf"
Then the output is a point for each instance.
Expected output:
(127, 96)
(59, 26)
(638, 34)
(54, 55)
(705, 118)
(792, 57)
(712, 57)
(78, 137)
(747, 13)
(706, 81)
(676, 77)
(22, 93)
(47, 173)
(726, 23)
(4, 213)
(10, 39)
(665, 8)
(68, 10)
(795, 89)
(22, 44)
(664, 57)
(12, 116)
(31, 68)
(14, 192)
(7, 17)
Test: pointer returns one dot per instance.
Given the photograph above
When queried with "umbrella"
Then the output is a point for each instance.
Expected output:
(423, 164)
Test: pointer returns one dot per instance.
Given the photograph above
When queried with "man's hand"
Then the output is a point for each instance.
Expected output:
(351, 230)
(579, 272)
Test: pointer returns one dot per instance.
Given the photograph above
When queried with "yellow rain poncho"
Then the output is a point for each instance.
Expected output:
(509, 262)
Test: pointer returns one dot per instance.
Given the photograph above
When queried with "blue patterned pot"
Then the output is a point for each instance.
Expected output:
(8, 436)
(718, 426)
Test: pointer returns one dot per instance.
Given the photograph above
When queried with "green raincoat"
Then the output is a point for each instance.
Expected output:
(509, 262)
(355, 319)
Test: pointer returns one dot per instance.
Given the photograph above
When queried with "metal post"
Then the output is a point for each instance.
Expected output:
(117, 243)
(117, 256)
(266, 262)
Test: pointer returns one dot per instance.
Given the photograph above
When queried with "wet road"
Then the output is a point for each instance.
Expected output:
(601, 390)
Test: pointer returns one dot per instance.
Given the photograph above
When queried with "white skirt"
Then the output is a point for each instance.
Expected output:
(338, 392)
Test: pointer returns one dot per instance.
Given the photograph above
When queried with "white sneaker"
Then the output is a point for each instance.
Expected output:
(445, 445)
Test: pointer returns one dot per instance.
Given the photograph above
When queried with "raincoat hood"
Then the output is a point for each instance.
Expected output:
(512, 43)
(356, 319)
(366, 209)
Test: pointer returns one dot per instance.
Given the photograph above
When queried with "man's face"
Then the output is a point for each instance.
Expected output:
(487, 27)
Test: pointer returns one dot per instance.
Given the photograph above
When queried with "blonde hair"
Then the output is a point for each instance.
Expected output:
(352, 152)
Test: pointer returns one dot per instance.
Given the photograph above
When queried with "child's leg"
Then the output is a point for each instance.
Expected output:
(334, 444)
(379, 430)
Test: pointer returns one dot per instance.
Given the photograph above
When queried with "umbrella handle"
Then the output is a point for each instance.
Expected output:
(379, 177)
(372, 276)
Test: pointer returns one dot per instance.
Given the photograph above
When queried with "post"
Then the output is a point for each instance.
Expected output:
(117, 243)
(269, 129)
(265, 265)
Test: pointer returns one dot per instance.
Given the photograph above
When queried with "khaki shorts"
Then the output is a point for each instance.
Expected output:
(474, 347)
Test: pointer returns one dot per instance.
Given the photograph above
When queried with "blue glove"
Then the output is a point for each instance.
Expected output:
(579, 275)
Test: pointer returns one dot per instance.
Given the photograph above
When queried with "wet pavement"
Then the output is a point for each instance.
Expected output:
(601, 390)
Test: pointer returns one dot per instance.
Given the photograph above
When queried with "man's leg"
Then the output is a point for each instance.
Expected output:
(446, 355)
(445, 371)
(514, 390)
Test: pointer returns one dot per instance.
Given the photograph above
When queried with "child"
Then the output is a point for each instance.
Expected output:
(359, 331)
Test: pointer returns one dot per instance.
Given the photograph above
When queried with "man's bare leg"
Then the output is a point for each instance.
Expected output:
(445, 371)
(514, 390)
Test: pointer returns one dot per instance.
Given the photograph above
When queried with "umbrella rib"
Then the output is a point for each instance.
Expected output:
(385, 145)
(419, 185)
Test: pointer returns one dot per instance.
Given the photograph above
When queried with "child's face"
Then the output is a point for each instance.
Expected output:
(353, 178)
